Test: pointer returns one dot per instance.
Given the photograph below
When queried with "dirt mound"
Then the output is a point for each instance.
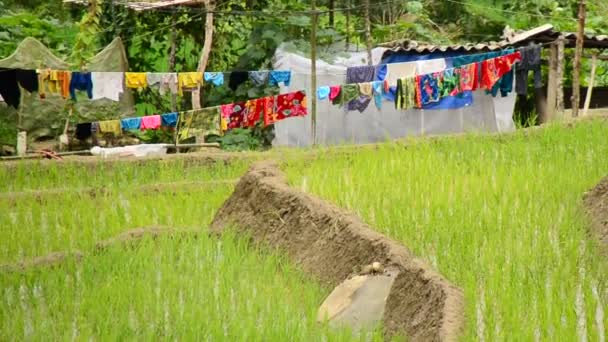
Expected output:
(596, 202)
(329, 243)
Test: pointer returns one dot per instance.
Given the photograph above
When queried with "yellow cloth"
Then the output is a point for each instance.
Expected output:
(223, 125)
(55, 81)
(110, 126)
(136, 80)
(365, 89)
(188, 81)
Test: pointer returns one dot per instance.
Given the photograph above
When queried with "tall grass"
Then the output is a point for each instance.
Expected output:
(500, 216)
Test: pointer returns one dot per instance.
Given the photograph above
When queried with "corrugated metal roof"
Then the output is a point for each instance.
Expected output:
(146, 5)
(541, 34)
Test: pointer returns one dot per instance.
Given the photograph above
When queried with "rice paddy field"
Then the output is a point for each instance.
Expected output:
(499, 216)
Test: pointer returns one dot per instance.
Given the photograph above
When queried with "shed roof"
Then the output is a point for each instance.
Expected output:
(146, 5)
(542, 34)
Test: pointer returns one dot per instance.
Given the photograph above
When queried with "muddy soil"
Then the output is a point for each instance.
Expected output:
(596, 203)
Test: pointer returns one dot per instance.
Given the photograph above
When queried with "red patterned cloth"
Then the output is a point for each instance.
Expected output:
(493, 69)
(469, 77)
(254, 109)
(286, 106)
(234, 114)
(334, 92)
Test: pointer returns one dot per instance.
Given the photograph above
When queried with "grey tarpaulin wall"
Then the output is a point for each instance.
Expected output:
(335, 125)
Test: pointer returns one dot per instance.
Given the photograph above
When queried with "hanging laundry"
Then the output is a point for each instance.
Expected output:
(110, 126)
(164, 82)
(169, 120)
(468, 75)
(108, 85)
(255, 109)
(450, 83)
(287, 105)
(396, 71)
(205, 120)
(348, 93)
(216, 78)
(279, 76)
(188, 81)
(234, 114)
(81, 81)
(9, 88)
(493, 69)
(378, 92)
(130, 124)
(237, 78)
(136, 80)
(323, 92)
(56, 82)
(259, 78)
(530, 61)
(28, 80)
(43, 80)
(504, 84)
(150, 122)
(427, 88)
(365, 89)
(405, 98)
(334, 93)
(83, 131)
(360, 74)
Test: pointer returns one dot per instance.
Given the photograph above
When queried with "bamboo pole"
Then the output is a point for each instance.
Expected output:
(313, 71)
(368, 33)
(591, 84)
(576, 79)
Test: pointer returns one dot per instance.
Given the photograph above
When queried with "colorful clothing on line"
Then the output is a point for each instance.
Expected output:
(493, 69)
(188, 81)
(83, 131)
(164, 82)
(468, 75)
(81, 81)
(169, 120)
(136, 80)
(237, 78)
(530, 61)
(334, 92)
(287, 105)
(201, 122)
(279, 76)
(323, 92)
(259, 78)
(256, 109)
(110, 126)
(504, 85)
(215, 78)
(234, 114)
(130, 124)
(348, 93)
(360, 74)
(150, 122)
(378, 92)
(450, 83)
(427, 88)
(405, 97)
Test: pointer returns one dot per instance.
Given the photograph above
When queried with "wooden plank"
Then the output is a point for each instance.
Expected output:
(559, 104)
(551, 86)
(591, 84)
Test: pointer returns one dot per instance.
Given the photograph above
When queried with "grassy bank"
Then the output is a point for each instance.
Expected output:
(500, 216)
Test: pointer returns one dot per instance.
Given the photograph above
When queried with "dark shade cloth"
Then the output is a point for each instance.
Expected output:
(28, 80)
(360, 74)
(530, 61)
(237, 78)
(9, 88)
(81, 81)
(83, 131)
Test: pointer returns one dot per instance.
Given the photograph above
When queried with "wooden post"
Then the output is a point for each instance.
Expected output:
(204, 59)
(576, 79)
(313, 72)
(591, 84)
(368, 33)
(332, 7)
(559, 102)
(551, 85)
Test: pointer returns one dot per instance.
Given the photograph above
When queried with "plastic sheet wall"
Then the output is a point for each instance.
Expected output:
(335, 125)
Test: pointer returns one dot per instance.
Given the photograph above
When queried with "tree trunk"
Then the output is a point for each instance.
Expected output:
(576, 79)
(202, 63)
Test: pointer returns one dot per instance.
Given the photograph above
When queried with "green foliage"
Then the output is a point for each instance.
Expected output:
(87, 42)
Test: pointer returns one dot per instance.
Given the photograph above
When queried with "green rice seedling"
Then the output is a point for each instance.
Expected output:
(500, 216)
